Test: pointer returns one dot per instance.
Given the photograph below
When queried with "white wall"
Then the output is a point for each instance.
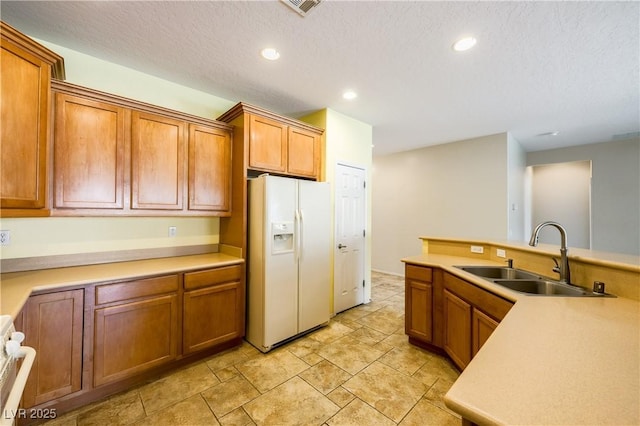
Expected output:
(457, 189)
(615, 190)
(561, 193)
(516, 172)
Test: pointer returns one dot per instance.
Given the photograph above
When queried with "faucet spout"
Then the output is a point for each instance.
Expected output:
(565, 274)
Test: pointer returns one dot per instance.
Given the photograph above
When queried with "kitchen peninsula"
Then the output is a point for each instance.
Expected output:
(552, 360)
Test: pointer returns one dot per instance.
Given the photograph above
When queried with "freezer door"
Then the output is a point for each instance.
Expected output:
(280, 275)
(314, 253)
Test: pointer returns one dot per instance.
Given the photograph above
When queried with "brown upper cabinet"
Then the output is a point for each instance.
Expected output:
(115, 156)
(277, 144)
(26, 69)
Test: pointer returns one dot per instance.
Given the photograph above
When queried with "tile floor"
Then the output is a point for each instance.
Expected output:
(359, 370)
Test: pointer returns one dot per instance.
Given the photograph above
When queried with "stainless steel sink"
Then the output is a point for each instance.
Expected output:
(545, 288)
(499, 272)
(528, 282)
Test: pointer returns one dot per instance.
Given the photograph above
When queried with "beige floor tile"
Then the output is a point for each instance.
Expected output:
(406, 359)
(227, 373)
(387, 390)
(357, 413)
(177, 386)
(340, 396)
(230, 357)
(330, 333)
(425, 413)
(122, 409)
(435, 368)
(303, 346)
(397, 340)
(294, 402)
(368, 335)
(382, 294)
(312, 358)
(386, 320)
(325, 376)
(191, 411)
(237, 417)
(70, 419)
(436, 393)
(270, 370)
(352, 314)
(350, 354)
(229, 395)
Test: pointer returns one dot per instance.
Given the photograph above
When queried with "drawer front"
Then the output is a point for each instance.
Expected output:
(109, 293)
(209, 277)
(420, 273)
(493, 305)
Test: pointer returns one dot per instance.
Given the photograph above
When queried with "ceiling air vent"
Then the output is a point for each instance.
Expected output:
(302, 6)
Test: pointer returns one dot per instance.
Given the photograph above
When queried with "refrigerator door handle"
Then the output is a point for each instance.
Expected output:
(300, 236)
(296, 234)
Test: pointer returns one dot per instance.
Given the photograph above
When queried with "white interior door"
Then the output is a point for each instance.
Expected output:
(349, 238)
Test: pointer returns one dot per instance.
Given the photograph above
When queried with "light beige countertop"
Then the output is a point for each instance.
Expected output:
(16, 287)
(552, 360)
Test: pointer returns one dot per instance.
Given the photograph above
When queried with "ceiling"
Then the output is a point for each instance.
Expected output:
(538, 67)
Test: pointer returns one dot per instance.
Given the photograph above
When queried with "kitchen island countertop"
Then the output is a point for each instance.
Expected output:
(15, 287)
(552, 360)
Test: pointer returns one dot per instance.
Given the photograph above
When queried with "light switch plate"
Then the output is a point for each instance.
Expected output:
(477, 249)
(501, 253)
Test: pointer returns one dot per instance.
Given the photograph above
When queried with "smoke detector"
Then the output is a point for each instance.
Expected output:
(302, 7)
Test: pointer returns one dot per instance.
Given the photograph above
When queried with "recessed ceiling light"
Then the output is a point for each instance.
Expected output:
(463, 44)
(270, 53)
(349, 95)
(554, 133)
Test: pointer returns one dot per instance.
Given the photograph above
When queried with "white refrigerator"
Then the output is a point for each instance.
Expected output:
(289, 259)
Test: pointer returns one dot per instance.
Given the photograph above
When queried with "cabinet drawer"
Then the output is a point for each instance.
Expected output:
(418, 273)
(491, 304)
(133, 289)
(193, 280)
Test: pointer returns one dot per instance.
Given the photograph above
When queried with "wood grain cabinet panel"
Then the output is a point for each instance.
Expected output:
(89, 154)
(419, 303)
(482, 327)
(213, 311)
(267, 144)
(303, 156)
(209, 169)
(134, 337)
(53, 326)
(157, 162)
(457, 335)
(26, 69)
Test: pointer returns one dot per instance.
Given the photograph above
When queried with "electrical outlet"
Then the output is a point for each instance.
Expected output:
(5, 238)
(173, 230)
(477, 249)
(501, 253)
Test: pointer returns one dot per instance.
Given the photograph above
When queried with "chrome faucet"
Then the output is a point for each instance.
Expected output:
(563, 269)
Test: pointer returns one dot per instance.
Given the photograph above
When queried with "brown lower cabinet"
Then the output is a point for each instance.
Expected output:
(105, 337)
(52, 323)
(446, 313)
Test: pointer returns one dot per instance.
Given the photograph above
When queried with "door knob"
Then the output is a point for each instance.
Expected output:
(340, 246)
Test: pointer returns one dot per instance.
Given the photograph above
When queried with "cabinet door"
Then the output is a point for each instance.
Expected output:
(418, 302)
(53, 326)
(89, 154)
(267, 144)
(457, 329)
(212, 316)
(303, 157)
(482, 327)
(24, 114)
(209, 169)
(134, 337)
(157, 162)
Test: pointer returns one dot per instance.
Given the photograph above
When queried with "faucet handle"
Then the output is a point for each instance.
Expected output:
(557, 267)
(509, 263)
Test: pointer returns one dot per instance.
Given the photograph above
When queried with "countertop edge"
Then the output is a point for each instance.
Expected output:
(18, 286)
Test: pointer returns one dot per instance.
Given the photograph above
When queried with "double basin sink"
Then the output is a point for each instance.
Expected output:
(528, 282)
